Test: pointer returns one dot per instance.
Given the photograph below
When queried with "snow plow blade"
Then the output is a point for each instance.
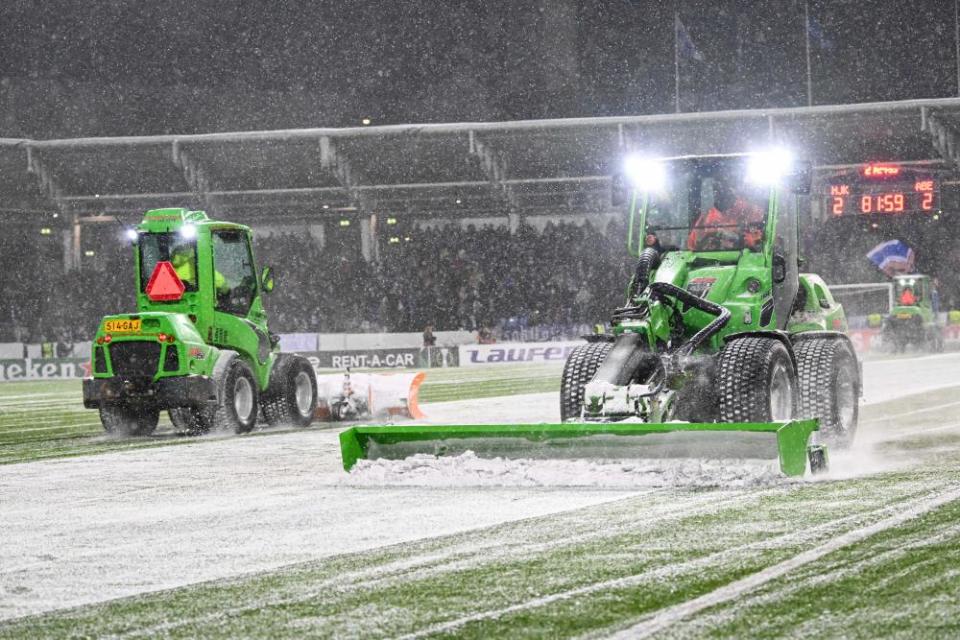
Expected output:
(370, 442)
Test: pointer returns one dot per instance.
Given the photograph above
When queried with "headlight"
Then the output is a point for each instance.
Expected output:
(646, 174)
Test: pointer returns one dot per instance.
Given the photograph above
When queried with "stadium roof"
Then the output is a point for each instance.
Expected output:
(480, 168)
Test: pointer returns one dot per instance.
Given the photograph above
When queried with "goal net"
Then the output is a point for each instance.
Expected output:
(864, 299)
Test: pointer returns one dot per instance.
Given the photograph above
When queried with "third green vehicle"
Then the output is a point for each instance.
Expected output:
(914, 318)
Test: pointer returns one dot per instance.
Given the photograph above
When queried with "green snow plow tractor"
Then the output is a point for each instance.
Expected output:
(720, 330)
(722, 348)
(913, 319)
(198, 345)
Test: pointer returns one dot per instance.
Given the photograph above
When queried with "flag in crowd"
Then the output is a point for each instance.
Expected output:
(893, 257)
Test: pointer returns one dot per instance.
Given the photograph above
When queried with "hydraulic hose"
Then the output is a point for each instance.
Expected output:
(648, 260)
(722, 314)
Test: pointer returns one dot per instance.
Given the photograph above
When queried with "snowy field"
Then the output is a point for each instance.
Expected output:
(267, 535)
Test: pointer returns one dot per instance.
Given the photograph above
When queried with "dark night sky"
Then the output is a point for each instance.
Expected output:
(140, 66)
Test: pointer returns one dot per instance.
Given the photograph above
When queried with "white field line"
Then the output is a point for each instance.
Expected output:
(906, 435)
(38, 401)
(72, 427)
(824, 579)
(910, 414)
(663, 572)
(423, 567)
(28, 396)
(671, 615)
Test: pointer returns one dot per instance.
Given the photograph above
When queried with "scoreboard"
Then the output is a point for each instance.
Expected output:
(882, 188)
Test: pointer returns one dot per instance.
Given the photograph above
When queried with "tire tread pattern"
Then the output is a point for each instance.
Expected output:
(743, 369)
(125, 420)
(278, 402)
(818, 362)
(581, 365)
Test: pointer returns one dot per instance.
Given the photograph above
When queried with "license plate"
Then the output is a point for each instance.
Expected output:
(121, 326)
(904, 316)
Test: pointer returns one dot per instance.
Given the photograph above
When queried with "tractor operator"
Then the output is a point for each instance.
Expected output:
(184, 260)
(719, 228)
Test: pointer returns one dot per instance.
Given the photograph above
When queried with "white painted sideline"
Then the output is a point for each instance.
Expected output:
(666, 617)
(671, 615)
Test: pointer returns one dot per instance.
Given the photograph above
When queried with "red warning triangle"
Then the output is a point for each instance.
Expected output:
(164, 284)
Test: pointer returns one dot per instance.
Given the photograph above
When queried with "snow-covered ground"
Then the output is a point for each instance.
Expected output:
(94, 528)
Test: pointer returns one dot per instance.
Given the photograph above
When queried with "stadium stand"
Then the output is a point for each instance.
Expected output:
(449, 276)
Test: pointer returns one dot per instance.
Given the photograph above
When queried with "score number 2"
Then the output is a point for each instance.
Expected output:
(837, 205)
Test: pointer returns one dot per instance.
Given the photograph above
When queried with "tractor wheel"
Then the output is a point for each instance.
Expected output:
(817, 457)
(127, 420)
(757, 381)
(581, 365)
(291, 396)
(237, 392)
(829, 387)
(191, 421)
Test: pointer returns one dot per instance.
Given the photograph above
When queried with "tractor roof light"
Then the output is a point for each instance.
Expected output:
(769, 167)
(646, 174)
(188, 231)
(132, 235)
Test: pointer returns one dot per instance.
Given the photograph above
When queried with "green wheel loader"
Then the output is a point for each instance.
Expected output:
(721, 340)
(198, 345)
(913, 319)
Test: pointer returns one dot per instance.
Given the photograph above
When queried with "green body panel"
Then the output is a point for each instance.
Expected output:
(821, 312)
(198, 328)
(792, 437)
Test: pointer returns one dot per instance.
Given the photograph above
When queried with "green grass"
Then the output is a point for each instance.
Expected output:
(46, 419)
(584, 571)
(590, 571)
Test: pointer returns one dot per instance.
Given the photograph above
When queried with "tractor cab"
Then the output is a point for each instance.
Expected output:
(724, 228)
(189, 264)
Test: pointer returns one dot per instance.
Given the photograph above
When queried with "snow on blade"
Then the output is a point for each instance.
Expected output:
(469, 470)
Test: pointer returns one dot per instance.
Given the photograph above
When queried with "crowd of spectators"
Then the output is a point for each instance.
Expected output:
(446, 276)
(530, 283)
(449, 277)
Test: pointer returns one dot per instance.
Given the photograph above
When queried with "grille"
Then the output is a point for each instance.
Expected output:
(135, 359)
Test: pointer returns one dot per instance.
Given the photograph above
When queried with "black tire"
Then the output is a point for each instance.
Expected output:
(232, 377)
(237, 393)
(129, 420)
(756, 381)
(829, 387)
(291, 396)
(190, 420)
(581, 365)
(817, 457)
